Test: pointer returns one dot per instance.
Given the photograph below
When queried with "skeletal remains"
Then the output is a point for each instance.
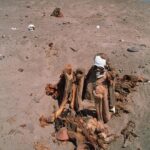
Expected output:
(88, 132)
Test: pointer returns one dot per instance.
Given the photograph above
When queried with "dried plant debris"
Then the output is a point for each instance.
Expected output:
(128, 133)
(57, 13)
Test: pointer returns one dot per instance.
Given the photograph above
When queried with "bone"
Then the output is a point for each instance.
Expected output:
(80, 74)
(68, 73)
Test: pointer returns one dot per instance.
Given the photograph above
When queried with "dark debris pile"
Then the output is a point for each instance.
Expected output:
(85, 131)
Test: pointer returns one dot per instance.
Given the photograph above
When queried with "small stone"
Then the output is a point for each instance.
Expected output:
(23, 125)
(20, 70)
(121, 40)
(62, 134)
(24, 37)
(64, 23)
(31, 27)
(44, 14)
(28, 6)
(132, 49)
(57, 13)
(120, 70)
(113, 52)
(143, 45)
(125, 55)
(140, 66)
(3, 36)
(98, 26)
(50, 45)
(27, 57)
(2, 56)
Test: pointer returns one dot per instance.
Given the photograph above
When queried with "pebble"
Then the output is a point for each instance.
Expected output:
(13, 28)
(132, 49)
(3, 36)
(31, 27)
(50, 45)
(24, 37)
(98, 26)
(20, 70)
(2, 56)
(140, 66)
(28, 6)
(121, 40)
(143, 45)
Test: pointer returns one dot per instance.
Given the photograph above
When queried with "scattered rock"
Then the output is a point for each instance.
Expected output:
(31, 27)
(23, 125)
(57, 13)
(50, 45)
(125, 55)
(121, 40)
(98, 26)
(20, 69)
(74, 50)
(133, 49)
(13, 28)
(28, 6)
(26, 16)
(64, 23)
(62, 134)
(2, 56)
(113, 52)
(120, 70)
(3, 36)
(140, 66)
(43, 14)
(27, 57)
(24, 36)
(143, 45)
(55, 54)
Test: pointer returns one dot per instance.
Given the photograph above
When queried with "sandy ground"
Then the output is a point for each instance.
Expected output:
(122, 24)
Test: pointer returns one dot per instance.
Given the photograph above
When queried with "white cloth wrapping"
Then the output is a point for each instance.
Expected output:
(100, 62)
